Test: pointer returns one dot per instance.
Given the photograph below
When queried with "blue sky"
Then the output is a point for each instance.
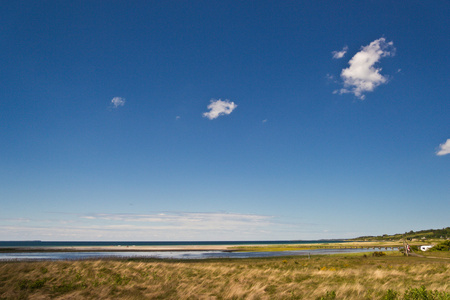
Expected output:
(223, 120)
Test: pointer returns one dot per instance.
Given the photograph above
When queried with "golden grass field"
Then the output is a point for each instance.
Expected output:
(351, 276)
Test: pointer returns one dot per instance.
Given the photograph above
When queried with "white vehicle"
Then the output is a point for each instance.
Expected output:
(425, 248)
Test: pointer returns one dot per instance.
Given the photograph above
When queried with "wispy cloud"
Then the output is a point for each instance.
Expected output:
(211, 221)
(444, 148)
(218, 108)
(362, 76)
(340, 54)
(15, 219)
(164, 226)
(118, 101)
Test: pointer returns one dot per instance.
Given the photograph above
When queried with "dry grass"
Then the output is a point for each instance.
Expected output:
(349, 277)
(279, 247)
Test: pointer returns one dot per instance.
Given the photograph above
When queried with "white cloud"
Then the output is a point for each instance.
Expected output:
(362, 76)
(444, 148)
(218, 108)
(162, 226)
(207, 221)
(15, 219)
(340, 54)
(118, 101)
(155, 226)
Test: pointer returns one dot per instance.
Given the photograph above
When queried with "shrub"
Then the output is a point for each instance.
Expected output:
(414, 248)
(37, 284)
(270, 289)
(328, 296)
(30, 284)
(422, 294)
(64, 287)
(378, 253)
(444, 246)
(390, 295)
(24, 284)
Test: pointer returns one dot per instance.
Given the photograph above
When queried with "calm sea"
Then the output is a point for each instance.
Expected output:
(48, 255)
(166, 254)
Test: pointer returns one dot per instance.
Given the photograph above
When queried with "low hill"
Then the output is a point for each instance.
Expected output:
(443, 233)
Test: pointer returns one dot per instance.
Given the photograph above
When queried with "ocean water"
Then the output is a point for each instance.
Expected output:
(166, 254)
(48, 255)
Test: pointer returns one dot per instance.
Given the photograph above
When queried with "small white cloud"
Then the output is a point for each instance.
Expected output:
(444, 148)
(264, 121)
(218, 108)
(118, 101)
(361, 76)
(340, 54)
(177, 117)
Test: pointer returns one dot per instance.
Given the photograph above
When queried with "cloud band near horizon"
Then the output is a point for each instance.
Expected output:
(163, 226)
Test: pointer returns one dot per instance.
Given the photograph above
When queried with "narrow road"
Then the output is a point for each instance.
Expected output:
(418, 255)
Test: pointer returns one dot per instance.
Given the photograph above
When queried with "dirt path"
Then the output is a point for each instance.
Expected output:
(418, 255)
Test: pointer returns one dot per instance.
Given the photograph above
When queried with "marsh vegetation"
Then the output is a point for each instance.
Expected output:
(361, 276)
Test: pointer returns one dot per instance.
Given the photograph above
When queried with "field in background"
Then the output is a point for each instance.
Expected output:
(360, 276)
(421, 235)
(440, 248)
(377, 245)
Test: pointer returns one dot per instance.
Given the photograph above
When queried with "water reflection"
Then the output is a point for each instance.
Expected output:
(167, 254)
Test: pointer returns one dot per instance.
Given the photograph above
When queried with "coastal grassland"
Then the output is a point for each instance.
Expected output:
(356, 276)
(293, 247)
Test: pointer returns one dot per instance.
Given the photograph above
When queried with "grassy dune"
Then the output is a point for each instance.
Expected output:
(321, 277)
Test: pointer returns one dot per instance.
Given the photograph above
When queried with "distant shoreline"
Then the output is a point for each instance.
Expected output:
(249, 246)
(116, 249)
(124, 246)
